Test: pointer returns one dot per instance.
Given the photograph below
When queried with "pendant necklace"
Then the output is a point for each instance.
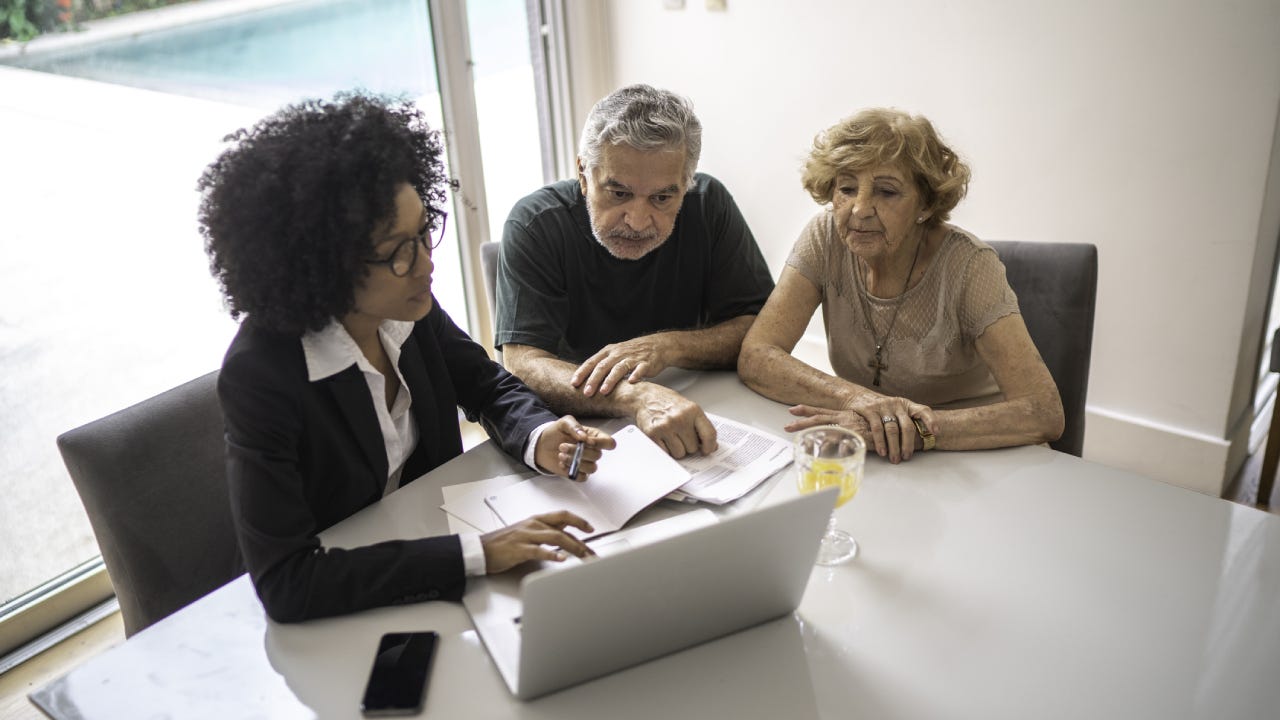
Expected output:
(878, 363)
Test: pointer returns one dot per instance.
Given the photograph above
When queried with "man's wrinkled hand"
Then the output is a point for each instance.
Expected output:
(675, 423)
(633, 360)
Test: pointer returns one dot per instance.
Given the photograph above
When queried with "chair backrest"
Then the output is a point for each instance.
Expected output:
(489, 263)
(1057, 285)
(152, 478)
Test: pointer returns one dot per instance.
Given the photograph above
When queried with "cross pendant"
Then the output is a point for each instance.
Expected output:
(878, 364)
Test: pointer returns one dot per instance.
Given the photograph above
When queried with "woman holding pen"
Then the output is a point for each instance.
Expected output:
(344, 380)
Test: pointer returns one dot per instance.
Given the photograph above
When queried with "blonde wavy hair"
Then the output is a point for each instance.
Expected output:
(884, 136)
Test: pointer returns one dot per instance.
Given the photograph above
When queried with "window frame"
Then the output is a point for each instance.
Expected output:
(44, 615)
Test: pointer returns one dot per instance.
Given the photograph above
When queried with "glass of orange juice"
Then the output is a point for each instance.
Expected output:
(831, 456)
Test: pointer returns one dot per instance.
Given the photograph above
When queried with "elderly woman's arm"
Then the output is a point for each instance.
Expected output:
(1031, 411)
(767, 366)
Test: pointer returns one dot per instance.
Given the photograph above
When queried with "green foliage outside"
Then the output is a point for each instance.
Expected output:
(22, 20)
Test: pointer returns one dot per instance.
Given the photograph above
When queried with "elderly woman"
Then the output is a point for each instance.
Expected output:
(344, 380)
(923, 330)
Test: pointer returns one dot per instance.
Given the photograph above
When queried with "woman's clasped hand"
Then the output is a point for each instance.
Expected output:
(887, 424)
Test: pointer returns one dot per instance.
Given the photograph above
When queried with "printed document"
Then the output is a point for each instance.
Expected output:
(744, 458)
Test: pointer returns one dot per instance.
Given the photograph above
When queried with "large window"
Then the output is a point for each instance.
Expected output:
(105, 294)
(506, 105)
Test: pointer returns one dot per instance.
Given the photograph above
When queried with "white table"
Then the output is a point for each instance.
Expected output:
(1003, 584)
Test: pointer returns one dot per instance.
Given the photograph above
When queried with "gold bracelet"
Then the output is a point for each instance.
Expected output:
(925, 436)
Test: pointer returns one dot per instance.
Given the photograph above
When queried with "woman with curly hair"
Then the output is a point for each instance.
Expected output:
(923, 330)
(344, 379)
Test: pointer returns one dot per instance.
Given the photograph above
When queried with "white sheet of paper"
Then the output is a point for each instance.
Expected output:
(629, 478)
(467, 511)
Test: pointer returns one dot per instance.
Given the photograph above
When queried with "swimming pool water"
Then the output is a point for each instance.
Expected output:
(268, 57)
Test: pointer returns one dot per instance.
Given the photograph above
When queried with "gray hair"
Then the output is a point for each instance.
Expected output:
(646, 119)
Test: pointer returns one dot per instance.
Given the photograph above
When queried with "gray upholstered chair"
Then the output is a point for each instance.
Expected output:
(1057, 285)
(152, 478)
(489, 263)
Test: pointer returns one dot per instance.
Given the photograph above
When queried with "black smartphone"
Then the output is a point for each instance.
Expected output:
(398, 681)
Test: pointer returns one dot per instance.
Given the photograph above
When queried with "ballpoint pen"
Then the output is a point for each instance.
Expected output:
(577, 459)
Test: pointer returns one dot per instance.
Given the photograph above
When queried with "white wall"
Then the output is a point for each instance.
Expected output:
(1146, 128)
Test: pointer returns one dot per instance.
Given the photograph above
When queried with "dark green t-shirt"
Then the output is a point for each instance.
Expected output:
(561, 291)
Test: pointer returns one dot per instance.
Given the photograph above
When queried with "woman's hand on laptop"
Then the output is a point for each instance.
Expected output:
(558, 442)
(541, 537)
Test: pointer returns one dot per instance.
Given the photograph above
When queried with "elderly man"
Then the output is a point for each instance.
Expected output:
(638, 265)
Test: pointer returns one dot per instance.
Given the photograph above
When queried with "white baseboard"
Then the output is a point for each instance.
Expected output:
(1187, 459)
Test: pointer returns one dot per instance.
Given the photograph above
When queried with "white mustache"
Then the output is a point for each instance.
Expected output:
(624, 235)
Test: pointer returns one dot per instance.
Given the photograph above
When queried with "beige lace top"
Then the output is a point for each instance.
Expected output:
(930, 355)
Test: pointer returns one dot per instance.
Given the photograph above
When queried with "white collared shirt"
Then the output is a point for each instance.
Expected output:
(332, 350)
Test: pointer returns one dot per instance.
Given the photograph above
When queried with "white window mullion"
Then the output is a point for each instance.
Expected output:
(462, 142)
(549, 45)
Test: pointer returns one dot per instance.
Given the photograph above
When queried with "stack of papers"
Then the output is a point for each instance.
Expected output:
(466, 508)
(744, 458)
(629, 478)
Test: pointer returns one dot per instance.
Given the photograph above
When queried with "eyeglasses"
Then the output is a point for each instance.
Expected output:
(405, 256)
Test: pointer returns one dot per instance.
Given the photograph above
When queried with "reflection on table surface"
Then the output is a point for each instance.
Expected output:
(1008, 583)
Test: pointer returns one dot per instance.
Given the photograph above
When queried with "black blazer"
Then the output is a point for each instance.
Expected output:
(301, 456)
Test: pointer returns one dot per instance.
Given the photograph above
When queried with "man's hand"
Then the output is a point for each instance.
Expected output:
(528, 540)
(635, 359)
(557, 443)
(678, 425)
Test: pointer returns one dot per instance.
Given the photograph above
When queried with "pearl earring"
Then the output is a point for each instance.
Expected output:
(920, 220)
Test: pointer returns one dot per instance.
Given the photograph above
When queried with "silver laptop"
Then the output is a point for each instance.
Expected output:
(559, 626)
